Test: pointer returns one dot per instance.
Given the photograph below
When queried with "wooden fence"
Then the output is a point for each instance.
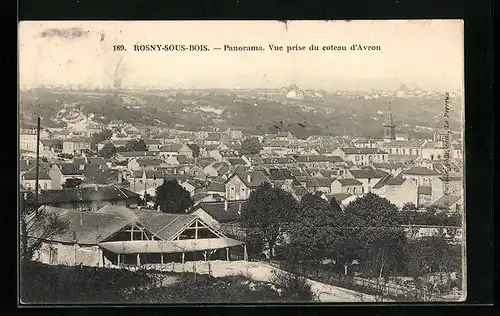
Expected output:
(380, 290)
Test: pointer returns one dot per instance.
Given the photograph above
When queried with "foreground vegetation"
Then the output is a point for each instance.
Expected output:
(42, 283)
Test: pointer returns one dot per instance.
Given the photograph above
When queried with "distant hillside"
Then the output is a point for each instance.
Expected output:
(333, 114)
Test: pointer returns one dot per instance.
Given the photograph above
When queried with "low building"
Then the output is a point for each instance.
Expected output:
(60, 173)
(362, 156)
(240, 185)
(89, 198)
(28, 179)
(222, 215)
(76, 145)
(121, 237)
(351, 186)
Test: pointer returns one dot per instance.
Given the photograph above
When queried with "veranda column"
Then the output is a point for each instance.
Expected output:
(138, 260)
(227, 254)
(245, 254)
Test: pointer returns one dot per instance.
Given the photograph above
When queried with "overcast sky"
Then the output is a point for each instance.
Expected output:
(424, 54)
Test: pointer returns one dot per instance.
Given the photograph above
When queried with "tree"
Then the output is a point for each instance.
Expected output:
(409, 206)
(36, 225)
(250, 146)
(121, 149)
(108, 151)
(136, 145)
(311, 232)
(101, 136)
(173, 198)
(334, 205)
(374, 222)
(195, 148)
(267, 213)
(72, 183)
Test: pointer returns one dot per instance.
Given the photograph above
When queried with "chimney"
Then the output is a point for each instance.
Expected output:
(81, 167)
(249, 177)
(96, 187)
(225, 205)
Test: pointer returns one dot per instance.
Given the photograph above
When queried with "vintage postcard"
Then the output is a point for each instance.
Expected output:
(241, 162)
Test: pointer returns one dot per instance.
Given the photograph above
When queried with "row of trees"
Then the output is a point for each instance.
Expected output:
(368, 231)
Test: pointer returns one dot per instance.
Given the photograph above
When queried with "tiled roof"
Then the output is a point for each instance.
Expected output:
(221, 167)
(99, 161)
(216, 187)
(136, 154)
(446, 200)
(171, 148)
(107, 176)
(277, 160)
(388, 165)
(149, 162)
(43, 174)
(256, 178)
(86, 194)
(70, 169)
(324, 182)
(217, 210)
(197, 197)
(300, 190)
(234, 161)
(335, 159)
(152, 142)
(349, 182)
(362, 151)
(25, 165)
(420, 171)
(367, 174)
(182, 159)
(161, 224)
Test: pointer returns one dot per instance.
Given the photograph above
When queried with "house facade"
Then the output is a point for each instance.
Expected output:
(362, 156)
(60, 173)
(76, 145)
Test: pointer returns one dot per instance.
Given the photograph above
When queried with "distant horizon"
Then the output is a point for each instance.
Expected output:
(146, 88)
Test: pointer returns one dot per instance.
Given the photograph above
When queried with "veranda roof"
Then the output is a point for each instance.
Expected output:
(161, 246)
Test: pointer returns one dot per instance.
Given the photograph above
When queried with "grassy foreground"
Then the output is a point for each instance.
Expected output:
(47, 284)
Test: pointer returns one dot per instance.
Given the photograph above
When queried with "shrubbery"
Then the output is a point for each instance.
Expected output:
(42, 283)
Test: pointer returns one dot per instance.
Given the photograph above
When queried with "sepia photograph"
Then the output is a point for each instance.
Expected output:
(200, 162)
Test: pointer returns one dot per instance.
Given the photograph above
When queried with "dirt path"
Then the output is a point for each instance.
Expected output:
(262, 272)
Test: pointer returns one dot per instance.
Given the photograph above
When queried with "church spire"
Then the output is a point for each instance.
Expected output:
(390, 127)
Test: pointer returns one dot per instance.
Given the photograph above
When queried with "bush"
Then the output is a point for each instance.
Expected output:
(293, 288)
(42, 283)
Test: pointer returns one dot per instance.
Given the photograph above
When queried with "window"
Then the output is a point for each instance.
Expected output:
(397, 151)
(438, 156)
(404, 151)
(348, 190)
(354, 190)
(411, 151)
(432, 157)
(45, 186)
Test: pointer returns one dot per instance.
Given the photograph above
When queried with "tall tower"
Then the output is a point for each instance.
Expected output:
(389, 127)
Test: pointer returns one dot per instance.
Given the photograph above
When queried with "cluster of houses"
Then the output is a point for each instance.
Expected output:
(220, 178)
